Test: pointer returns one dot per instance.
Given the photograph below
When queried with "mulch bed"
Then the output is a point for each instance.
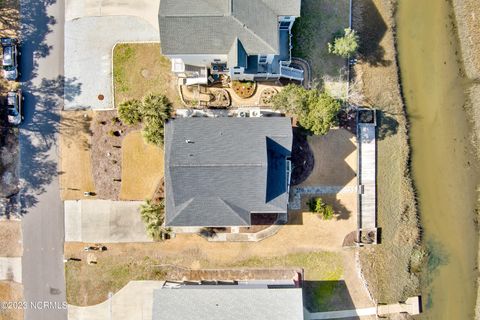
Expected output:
(108, 132)
(244, 89)
(302, 158)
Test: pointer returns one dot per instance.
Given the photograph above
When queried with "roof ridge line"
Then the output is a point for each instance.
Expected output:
(251, 31)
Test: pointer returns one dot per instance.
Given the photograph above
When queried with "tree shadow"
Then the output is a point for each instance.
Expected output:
(36, 24)
(372, 29)
(322, 296)
(387, 125)
(38, 136)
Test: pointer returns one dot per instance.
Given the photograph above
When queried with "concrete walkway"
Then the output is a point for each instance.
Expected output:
(104, 221)
(88, 45)
(132, 302)
(11, 269)
(298, 192)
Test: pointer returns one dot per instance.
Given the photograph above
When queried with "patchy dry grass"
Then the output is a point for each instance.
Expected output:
(11, 239)
(11, 291)
(91, 284)
(140, 69)
(319, 20)
(377, 75)
(75, 155)
(142, 168)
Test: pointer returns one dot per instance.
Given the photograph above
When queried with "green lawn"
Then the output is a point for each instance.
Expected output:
(139, 69)
(323, 272)
(319, 20)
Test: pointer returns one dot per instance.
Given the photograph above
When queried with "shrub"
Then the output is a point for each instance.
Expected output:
(346, 45)
(317, 205)
(153, 215)
(130, 111)
(316, 111)
(153, 111)
(156, 110)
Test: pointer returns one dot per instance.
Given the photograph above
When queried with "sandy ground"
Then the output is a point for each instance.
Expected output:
(335, 156)
(75, 155)
(142, 168)
(10, 291)
(11, 239)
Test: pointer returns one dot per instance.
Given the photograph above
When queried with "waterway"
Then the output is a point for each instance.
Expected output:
(444, 169)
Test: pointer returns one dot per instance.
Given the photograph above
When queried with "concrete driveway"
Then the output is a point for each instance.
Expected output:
(145, 9)
(88, 56)
(132, 302)
(104, 221)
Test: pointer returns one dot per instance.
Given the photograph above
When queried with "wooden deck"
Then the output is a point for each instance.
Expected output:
(366, 176)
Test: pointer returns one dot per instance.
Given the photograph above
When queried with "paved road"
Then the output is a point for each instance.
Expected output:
(41, 65)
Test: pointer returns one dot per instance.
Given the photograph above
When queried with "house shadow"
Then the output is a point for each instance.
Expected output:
(371, 27)
(321, 296)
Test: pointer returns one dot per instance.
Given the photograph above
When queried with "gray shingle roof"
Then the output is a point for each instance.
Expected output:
(229, 168)
(210, 26)
(193, 303)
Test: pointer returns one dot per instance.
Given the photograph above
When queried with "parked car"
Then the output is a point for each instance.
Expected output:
(10, 61)
(14, 107)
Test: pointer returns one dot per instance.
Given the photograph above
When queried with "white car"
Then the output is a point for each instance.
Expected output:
(10, 61)
(14, 107)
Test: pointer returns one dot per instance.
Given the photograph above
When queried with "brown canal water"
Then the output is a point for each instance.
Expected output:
(444, 169)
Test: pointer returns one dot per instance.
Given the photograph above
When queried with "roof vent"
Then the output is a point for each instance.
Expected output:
(188, 141)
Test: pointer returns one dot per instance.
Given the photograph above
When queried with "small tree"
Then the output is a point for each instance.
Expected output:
(317, 205)
(316, 111)
(153, 215)
(130, 111)
(156, 109)
(322, 114)
(346, 45)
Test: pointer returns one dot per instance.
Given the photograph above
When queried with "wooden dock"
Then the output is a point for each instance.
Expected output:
(366, 177)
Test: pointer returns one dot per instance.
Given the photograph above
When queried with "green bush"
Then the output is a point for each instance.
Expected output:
(346, 45)
(317, 205)
(152, 111)
(316, 111)
(130, 111)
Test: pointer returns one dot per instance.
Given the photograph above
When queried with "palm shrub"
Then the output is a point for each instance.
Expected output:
(317, 205)
(130, 111)
(316, 111)
(346, 45)
(153, 216)
(156, 109)
(152, 111)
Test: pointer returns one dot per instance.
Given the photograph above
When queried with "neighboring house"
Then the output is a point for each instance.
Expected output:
(220, 171)
(250, 301)
(245, 39)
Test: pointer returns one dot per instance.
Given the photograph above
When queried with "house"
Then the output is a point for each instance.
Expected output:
(244, 39)
(250, 301)
(220, 171)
